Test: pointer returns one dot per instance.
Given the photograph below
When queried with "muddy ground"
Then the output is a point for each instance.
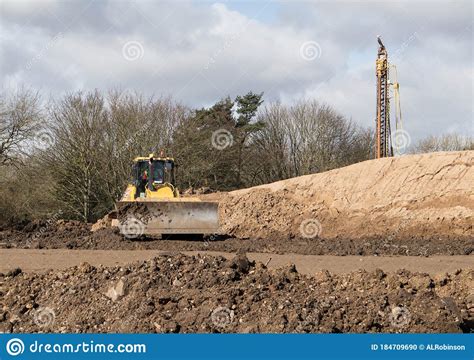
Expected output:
(75, 235)
(40, 260)
(212, 294)
(206, 293)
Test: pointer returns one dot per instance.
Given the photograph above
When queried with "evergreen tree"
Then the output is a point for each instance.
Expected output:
(247, 107)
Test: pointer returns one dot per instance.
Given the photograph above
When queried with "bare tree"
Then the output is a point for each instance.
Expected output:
(77, 126)
(306, 138)
(25, 192)
(20, 121)
(447, 142)
(273, 146)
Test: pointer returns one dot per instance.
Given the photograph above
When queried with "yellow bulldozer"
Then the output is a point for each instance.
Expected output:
(152, 205)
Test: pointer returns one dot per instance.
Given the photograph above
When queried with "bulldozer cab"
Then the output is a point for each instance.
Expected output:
(155, 171)
(151, 174)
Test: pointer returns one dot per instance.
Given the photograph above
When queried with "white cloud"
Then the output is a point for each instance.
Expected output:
(199, 52)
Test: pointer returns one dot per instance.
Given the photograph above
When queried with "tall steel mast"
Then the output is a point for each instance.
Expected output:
(383, 144)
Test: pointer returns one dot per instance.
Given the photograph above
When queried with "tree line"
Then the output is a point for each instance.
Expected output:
(73, 154)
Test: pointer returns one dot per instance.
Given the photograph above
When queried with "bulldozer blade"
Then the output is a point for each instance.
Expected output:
(138, 218)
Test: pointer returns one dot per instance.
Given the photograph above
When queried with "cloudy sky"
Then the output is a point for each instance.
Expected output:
(201, 51)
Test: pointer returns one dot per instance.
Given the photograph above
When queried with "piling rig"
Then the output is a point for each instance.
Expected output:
(383, 144)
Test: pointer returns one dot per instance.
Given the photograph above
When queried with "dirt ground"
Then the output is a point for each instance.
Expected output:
(182, 293)
(421, 196)
(32, 260)
(72, 235)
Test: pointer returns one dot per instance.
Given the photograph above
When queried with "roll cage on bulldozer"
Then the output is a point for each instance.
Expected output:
(154, 177)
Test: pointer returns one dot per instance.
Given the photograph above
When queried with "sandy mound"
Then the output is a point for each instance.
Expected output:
(423, 195)
(212, 294)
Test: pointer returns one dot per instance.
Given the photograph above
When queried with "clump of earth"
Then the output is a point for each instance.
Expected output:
(188, 294)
